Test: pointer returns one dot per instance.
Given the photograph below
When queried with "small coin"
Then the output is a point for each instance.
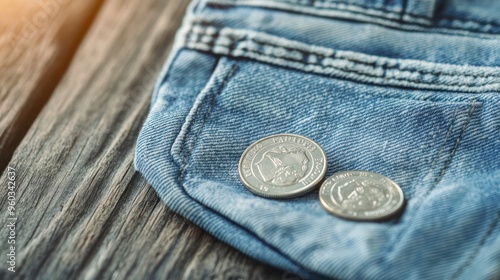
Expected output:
(282, 166)
(361, 195)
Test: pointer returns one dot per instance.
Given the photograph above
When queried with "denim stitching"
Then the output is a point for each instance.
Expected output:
(436, 180)
(478, 248)
(204, 118)
(438, 154)
(493, 23)
(457, 142)
(351, 7)
(401, 16)
(453, 150)
(384, 64)
(235, 38)
(334, 5)
(445, 140)
(383, 76)
(383, 9)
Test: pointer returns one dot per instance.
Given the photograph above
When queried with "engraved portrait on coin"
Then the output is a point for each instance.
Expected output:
(361, 195)
(282, 165)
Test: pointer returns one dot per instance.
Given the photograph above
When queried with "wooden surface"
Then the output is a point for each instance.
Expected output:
(72, 101)
(37, 41)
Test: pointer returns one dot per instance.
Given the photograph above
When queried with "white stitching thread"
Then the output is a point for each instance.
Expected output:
(343, 64)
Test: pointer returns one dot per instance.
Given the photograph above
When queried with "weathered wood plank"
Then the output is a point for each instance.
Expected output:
(83, 211)
(37, 40)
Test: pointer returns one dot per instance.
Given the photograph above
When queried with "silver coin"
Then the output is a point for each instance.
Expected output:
(361, 195)
(282, 165)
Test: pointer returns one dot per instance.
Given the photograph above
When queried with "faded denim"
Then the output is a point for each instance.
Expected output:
(408, 89)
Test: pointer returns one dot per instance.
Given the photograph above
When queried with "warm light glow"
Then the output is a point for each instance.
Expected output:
(23, 23)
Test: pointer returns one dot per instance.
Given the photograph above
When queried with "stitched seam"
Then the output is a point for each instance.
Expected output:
(441, 148)
(446, 137)
(482, 23)
(443, 171)
(455, 147)
(365, 7)
(382, 77)
(205, 117)
(457, 143)
(475, 21)
(453, 150)
(361, 74)
(349, 7)
(263, 43)
(401, 16)
(234, 39)
(326, 5)
(382, 98)
(473, 256)
(390, 246)
(229, 50)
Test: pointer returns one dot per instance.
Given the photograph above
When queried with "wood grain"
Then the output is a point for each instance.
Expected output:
(37, 41)
(83, 211)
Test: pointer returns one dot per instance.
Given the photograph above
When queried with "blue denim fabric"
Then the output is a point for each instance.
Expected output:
(408, 89)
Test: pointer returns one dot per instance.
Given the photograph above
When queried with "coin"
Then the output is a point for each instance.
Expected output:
(361, 195)
(282, 166)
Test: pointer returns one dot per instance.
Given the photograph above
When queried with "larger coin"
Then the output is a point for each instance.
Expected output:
(282, 166)
(361, 195)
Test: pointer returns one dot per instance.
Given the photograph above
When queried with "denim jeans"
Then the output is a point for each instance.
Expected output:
(409, 89)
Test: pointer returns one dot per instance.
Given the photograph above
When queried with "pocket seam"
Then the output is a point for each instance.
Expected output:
(195, 117)
(204, 29)
(341, 64)
(444, 163)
